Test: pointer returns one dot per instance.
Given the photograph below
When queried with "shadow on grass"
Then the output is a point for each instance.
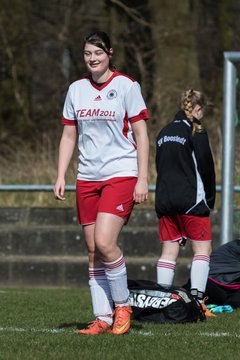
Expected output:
(78, 326)
(75, 325)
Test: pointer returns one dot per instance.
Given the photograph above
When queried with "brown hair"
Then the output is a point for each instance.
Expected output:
(189, 99)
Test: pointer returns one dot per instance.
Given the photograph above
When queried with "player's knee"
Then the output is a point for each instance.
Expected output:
(203, 249)
(105, 250)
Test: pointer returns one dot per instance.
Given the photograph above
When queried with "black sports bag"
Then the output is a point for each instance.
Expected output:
(153, 303)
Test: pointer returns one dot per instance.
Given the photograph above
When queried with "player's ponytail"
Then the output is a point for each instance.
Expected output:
(189, 99)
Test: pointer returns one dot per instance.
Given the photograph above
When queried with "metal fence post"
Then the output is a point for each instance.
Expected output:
(228, 148)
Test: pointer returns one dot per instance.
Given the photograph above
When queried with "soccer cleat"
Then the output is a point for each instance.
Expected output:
(207, 312)
(219, 308)
(96, 327)
(122, 320)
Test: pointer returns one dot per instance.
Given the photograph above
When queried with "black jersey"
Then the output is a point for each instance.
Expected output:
(185, 170)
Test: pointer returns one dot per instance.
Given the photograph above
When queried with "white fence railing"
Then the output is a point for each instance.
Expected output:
(26, 187)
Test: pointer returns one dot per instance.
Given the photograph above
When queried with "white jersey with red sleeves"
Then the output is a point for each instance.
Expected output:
(104, 116)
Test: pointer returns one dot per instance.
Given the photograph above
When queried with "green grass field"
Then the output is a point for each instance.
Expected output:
(41, 324)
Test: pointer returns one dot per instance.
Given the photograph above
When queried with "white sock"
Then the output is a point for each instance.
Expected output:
(199, 274)
(116, 274)
(101, 297)
(165, 272)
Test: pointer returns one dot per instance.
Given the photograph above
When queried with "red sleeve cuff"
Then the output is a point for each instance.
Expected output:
(69, 122)
(143, 115)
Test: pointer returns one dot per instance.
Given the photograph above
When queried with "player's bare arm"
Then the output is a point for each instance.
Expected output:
(66, 148)
(141, 189)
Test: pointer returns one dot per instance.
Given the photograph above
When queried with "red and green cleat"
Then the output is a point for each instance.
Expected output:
(122, 320)
(96, 327)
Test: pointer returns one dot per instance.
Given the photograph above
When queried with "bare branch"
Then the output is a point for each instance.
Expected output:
(18, 96)
(134, 14)
(62, 36)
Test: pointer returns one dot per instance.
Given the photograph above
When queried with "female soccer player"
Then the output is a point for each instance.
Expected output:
(106, 112)
(185, 192)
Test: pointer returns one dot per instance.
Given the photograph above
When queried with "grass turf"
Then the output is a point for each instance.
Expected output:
(40, 324)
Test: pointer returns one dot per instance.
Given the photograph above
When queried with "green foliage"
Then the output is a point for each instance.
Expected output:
(41, 324)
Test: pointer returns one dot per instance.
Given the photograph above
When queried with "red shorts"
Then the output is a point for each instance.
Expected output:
(180, 227)
(114, 196)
